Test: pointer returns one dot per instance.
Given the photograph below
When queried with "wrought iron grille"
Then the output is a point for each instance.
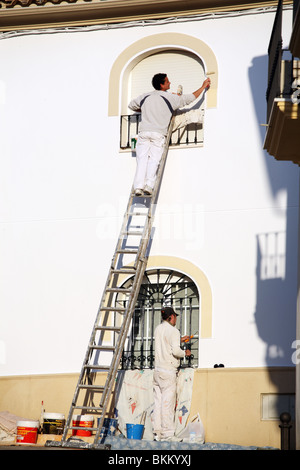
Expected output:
(190, 135)
(160, 287)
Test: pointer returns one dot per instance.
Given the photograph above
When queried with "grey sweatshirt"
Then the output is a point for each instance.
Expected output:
(167, 347)
(157, 108)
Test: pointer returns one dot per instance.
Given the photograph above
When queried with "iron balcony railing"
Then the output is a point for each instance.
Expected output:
(191, 135)
(139, 352)
(281, 73)
(275, 58)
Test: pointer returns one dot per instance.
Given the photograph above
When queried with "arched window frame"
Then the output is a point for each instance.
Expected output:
(127, 60)
(124, 64)
(170, 263)
(188, 125)
(161, 287)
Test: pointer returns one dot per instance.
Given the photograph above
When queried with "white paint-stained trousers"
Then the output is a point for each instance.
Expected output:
(149, 149)
(164, 390)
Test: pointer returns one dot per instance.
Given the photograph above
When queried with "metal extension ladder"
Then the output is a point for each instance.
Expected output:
(114, 318)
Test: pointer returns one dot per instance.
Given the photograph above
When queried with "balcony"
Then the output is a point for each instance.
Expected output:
(283, 93)
(188, 136)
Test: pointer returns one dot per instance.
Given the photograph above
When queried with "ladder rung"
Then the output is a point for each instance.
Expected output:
(88, 408)
(102, 348)
(139, 214)
(92, 387)
(83, 428)
(115, 329)
(130, 252)
(96, 367)
(123, 271)
(113, 309)
(120, 290)
(136, 233)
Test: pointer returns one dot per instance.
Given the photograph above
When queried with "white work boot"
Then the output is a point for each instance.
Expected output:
(138, 192)
(148, 190)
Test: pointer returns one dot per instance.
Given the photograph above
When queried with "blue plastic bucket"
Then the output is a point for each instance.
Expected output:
(134, 431)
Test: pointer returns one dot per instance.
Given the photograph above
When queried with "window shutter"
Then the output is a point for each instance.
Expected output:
(183, 68)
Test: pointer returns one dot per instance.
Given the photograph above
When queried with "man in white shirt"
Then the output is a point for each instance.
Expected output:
(167, 360)
(156, 109)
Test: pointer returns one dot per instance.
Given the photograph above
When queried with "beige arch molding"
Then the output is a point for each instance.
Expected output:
(145, 46)
(201, 281)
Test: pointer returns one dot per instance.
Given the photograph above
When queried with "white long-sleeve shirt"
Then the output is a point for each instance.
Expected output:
(167, 347)
(157, 108)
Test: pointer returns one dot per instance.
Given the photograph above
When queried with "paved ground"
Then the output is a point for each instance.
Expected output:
(120, 443)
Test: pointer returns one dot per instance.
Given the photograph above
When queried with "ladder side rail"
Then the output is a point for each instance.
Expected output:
(88, 352)
(119, 348)
(116, 358)
(139, 277)
(148, 226)
(135, 288)
(92, 337)
(162, 162)
(118, 354)
(115, 361)
(125, 327)
(129, 309)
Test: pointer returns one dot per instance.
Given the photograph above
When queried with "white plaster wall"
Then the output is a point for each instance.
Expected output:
(64, 187)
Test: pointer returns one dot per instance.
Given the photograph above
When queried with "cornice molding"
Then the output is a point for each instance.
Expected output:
(36, 14)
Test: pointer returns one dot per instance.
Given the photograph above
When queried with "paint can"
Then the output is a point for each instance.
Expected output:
(84, 421)
(27, 432)
(54, 423)
(134, 431)
(133, 142)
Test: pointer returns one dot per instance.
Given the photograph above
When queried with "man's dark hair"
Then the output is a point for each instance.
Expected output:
(158, 80)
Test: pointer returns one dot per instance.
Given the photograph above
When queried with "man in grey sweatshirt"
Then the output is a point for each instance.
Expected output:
(156, 109)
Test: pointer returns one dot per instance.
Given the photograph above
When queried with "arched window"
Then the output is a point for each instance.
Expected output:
(160, 287)
(183, 68)
(144, 47)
